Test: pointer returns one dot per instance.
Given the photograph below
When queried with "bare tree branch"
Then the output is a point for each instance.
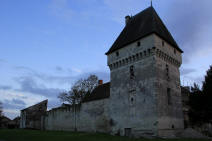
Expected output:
(80, 88)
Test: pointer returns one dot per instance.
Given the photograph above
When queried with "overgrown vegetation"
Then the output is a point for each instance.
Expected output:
(35, 135)
(1, 113)
(80, 88)
(200, 101)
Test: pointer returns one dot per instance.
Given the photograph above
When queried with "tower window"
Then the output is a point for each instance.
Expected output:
(167, 72)
(132, 72)
(172, 126)
(163, 43)
(169, 96)
(138, 43)
(117, 53)
(174, 51)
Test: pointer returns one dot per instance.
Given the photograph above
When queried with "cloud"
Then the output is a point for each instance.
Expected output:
(13, 104)
(18, 101)
(186, 71)
(35, 83)
(5, 87)
(28, 84)
(58, 68)
(47, 78)
(71, 75)
(190, 23)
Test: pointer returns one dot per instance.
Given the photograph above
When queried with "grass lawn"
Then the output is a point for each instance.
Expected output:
(34, 135)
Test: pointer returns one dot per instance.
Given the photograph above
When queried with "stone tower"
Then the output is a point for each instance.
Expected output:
(145, 93)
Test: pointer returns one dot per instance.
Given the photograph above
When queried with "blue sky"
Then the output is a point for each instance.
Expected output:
(46, 45)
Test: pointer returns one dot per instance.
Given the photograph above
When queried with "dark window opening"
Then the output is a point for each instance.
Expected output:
(117, 53)
(144, 53)
(133, 58)
(130, 58)
(138, 43)
(174, 51)
(132, 99)
(169, 96)
(163, 43)
(141, 54)
(172, 126)
(127, 132)
(149, 51)
(167, 72)
(137, 55)
(132, 72)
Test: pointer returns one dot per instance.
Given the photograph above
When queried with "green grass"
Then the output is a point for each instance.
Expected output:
(34, 135)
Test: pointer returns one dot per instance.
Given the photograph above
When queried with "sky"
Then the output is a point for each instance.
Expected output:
(46, 45)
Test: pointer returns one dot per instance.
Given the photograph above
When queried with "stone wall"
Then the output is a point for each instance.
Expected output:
(89, 117)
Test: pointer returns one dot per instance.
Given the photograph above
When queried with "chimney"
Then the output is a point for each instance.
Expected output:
(127, 19)
(100, 82)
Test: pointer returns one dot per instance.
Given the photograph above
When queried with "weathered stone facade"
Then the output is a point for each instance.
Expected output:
(143, 97)
(88, 117)
(33, 116)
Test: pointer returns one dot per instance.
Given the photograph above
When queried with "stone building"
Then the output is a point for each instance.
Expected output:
(32, 117)
(144, 66)
(143, 97)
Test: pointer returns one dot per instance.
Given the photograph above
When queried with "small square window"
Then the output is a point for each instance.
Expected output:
(138, 43)
(117, 53)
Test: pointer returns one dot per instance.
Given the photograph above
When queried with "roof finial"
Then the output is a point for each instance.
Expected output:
(151, 3)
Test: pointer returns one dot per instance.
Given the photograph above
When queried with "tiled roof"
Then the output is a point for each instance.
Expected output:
(141, 25)
(100, 92)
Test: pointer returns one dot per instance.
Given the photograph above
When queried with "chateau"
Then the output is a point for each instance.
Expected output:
(143, 97)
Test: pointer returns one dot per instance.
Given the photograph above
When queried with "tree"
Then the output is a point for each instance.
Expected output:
(1, 113)
(80, 88)
(200, 101)
(207, 84)
(207, 91)
(195, 102)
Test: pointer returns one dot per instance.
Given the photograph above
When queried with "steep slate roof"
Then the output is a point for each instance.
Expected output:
(100, 92)
(143, 24)
(42, 103)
